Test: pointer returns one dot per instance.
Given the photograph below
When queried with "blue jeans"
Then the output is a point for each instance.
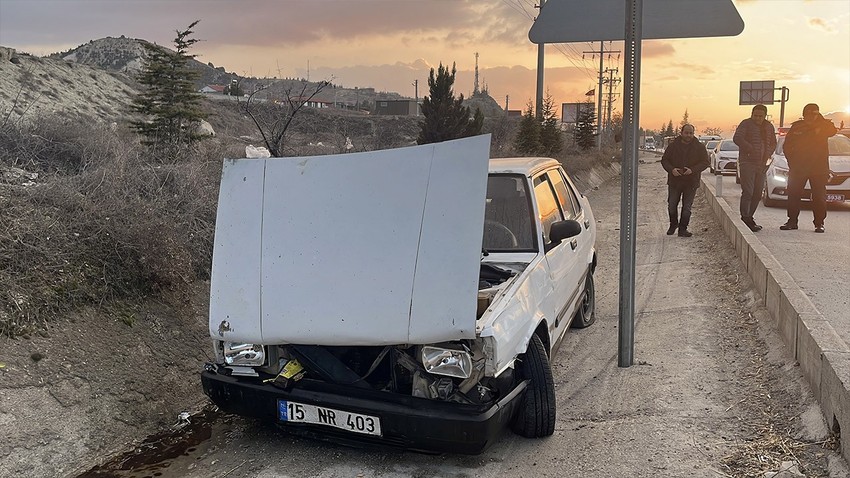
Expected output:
(686, 193)
(752, 185)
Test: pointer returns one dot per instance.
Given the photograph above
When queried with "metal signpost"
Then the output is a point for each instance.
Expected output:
(762, 92)
(562, 21)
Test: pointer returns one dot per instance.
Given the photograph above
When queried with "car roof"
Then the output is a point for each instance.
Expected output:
(525, 166)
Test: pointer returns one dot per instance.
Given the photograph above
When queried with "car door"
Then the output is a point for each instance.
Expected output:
(562, 259)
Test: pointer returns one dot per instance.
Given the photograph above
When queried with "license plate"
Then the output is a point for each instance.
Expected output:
(294, 412)
(834, 198)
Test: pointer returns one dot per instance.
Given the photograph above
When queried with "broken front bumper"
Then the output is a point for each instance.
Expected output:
(406, 422)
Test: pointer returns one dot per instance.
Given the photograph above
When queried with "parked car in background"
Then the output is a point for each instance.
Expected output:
(409, 297)
(723, 158)
(837, 188)
(710, 145)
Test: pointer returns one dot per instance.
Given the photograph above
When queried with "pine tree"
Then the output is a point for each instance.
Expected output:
(445, 116)
(684, 119)
(528, 136)
(669, 131)
(585, 130)
(551, 142)
(169, 102)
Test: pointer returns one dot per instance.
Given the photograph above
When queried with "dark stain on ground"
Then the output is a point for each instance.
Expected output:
(151, 457)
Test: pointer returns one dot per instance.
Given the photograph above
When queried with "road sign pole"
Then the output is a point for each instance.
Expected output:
(628, 188)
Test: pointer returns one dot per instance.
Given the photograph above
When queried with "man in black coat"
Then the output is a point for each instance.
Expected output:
(807, 151)
(684, 159)
(756, 141)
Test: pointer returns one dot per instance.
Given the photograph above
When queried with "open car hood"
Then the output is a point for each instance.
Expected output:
(373, 248)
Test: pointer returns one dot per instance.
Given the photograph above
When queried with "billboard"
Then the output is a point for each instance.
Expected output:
(569, 111)
(756, 92)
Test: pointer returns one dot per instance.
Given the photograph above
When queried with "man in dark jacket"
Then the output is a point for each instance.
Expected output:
(807, 151)
(756, 140)
(683, 160)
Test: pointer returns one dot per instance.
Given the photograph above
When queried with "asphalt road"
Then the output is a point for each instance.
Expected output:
(819, 263)
(711, 393)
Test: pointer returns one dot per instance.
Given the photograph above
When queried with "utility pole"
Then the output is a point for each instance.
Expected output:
(602, 51)
(416, 92)
(507, 98)
(610, 81)
(540, 51)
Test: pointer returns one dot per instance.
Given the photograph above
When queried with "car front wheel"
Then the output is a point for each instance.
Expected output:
(586, 313)
(536, 415)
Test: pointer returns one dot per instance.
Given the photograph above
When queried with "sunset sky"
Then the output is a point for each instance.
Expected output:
(387, 44)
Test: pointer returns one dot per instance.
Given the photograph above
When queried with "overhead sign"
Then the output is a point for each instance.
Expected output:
(563, 21)
(756, 93)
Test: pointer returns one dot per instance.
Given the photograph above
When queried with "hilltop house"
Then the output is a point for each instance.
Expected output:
(213, 89)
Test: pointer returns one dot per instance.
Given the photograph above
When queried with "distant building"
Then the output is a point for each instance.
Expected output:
(313, 102)
(514, 113)
(396, 107)
(213, 89)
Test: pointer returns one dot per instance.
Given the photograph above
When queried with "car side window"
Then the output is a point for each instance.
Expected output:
(566, 197)
(547, 205)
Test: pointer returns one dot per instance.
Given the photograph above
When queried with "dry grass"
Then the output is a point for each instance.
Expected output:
(102, 222)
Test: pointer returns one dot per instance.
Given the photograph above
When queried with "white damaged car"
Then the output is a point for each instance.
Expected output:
(354, 297)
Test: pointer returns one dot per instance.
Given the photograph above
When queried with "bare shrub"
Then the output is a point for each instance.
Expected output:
(101, 224)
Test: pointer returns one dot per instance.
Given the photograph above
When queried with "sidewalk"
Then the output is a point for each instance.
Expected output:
(822, 353)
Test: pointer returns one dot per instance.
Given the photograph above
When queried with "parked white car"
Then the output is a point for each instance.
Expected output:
(723, 158)
(354, 297)
(837, 188)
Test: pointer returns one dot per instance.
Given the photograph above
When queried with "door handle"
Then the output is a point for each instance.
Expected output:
(573, 244)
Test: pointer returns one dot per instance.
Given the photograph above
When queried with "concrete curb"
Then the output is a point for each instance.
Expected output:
(823, 356)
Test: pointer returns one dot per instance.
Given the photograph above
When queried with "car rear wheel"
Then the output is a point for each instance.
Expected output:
(586, 313)
(536, 415)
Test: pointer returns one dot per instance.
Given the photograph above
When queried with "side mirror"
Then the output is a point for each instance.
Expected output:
(564, 230)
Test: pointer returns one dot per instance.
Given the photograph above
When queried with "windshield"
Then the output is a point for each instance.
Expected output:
(711, 144)
(838, 145)
(508, 214)
(728, 146)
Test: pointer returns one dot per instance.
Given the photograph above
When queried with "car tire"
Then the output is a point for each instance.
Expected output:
(770, 202)
(536, 415)
(586, 313)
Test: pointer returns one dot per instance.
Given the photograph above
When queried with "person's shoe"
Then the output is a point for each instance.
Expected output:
(751, 223)
(685, 233)
(819, 229)
(788, 226)
(672, 229)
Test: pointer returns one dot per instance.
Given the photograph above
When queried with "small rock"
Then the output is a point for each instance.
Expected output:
(36, 356)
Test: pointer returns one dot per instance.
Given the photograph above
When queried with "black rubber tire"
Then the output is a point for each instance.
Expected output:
(770, 202)
(536, 415)
(586, 313)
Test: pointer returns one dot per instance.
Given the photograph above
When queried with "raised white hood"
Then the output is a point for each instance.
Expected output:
(373, 248)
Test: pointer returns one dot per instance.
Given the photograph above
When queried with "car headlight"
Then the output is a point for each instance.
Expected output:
(780, 174)
(448, 362)
(248, 355)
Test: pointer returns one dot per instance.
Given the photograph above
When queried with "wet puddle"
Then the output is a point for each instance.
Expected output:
(152, 457)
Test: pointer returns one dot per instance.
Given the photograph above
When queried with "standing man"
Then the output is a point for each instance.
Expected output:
(807, 151)
(683, 160)
(756, 140)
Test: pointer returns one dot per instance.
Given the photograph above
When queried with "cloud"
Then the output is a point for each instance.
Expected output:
(694, 68)
(827, 26)
(669, 78)
(656, 49)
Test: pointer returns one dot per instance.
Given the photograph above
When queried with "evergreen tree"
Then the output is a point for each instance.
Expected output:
(445, 116)
(169, 102)
(669, 131)
(551, 142)
(528, 136)
(585, 130)
(684, 119)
